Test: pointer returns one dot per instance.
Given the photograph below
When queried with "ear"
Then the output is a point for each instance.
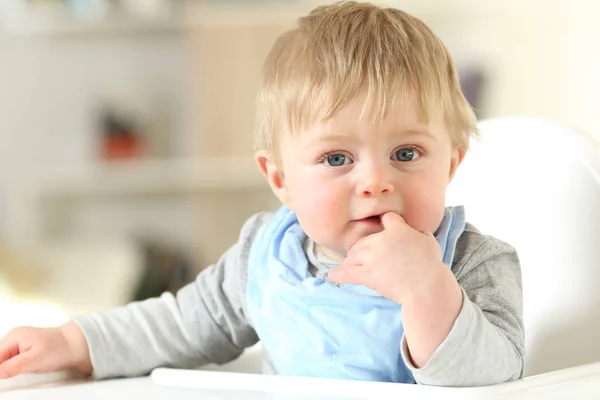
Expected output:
(274, 176)
(457, 157)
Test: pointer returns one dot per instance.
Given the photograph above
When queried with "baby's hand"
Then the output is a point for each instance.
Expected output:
(397, 262)
(41, 350)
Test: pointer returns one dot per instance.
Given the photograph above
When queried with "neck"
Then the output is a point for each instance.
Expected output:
(330, 253)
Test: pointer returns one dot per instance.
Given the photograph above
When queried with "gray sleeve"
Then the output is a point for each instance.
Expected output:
(486, 343)
(205, 322)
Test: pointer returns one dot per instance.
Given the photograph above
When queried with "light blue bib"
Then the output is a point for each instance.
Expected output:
(309, 326)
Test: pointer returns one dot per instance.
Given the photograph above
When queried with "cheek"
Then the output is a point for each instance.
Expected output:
(317, 201)
(320, 207)
(424, 201)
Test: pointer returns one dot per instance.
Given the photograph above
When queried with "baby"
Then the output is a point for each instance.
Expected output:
(363, 273)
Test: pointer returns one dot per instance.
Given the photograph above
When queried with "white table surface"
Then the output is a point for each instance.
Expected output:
(580, 382)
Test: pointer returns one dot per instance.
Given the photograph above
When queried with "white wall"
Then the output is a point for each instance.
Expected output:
(543, 59)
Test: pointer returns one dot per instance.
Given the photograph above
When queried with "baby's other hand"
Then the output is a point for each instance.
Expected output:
(42, 350)
(398, 262)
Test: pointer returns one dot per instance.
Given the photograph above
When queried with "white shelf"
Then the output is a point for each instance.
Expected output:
(30, 196)
(149, 177)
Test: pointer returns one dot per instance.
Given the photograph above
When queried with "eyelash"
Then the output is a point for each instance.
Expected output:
(332, 152)
(413, 147)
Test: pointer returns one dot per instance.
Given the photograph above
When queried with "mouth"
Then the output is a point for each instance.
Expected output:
(372, 220)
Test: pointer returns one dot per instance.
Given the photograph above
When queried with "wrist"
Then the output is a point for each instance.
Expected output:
(435, 289)
(429, 314)
(78, 347)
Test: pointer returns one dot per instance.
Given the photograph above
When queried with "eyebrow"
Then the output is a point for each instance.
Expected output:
(418, 131)
(331, 138)
(336, 136)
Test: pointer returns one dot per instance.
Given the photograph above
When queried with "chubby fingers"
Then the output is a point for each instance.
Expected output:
(352, 275)
(19, 364)
(13, 360)
(8, 349)
(351, 270)
(17, 356)
(390, 220)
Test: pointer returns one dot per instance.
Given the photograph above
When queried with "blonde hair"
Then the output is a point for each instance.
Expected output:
(341, 51)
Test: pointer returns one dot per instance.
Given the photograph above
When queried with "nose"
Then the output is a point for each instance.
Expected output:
(375, 180)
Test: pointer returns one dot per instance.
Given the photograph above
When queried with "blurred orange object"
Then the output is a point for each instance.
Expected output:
(121, 139)
(118, 147)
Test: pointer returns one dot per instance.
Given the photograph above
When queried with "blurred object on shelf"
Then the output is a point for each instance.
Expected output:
(89, 10)
(148, 8)
(165, 269)
(120, 138)
(19, 274)
(134, 117)
(83, 274)
(472, 83)
(6, 290)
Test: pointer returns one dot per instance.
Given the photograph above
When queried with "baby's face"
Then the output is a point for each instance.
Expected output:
(341, 175)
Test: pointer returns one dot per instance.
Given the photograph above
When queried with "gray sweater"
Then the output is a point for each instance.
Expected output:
(207, 320)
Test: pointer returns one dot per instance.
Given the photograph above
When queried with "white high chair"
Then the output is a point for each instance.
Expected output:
(536, 185)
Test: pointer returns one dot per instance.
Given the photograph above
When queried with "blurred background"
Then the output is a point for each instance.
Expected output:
(125, 128)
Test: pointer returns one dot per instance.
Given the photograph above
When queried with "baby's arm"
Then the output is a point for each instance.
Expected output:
(202, 323)
(486, 343)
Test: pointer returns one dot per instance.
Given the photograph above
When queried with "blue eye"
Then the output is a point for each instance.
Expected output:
(405, 154)
(337, 160)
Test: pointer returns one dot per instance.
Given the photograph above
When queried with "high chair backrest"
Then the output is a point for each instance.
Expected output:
(536, 185)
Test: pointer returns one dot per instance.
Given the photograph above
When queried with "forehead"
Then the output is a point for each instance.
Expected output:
(404, 116)
(402, 110)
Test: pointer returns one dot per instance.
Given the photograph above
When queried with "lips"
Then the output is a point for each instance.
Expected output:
(373, 219)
